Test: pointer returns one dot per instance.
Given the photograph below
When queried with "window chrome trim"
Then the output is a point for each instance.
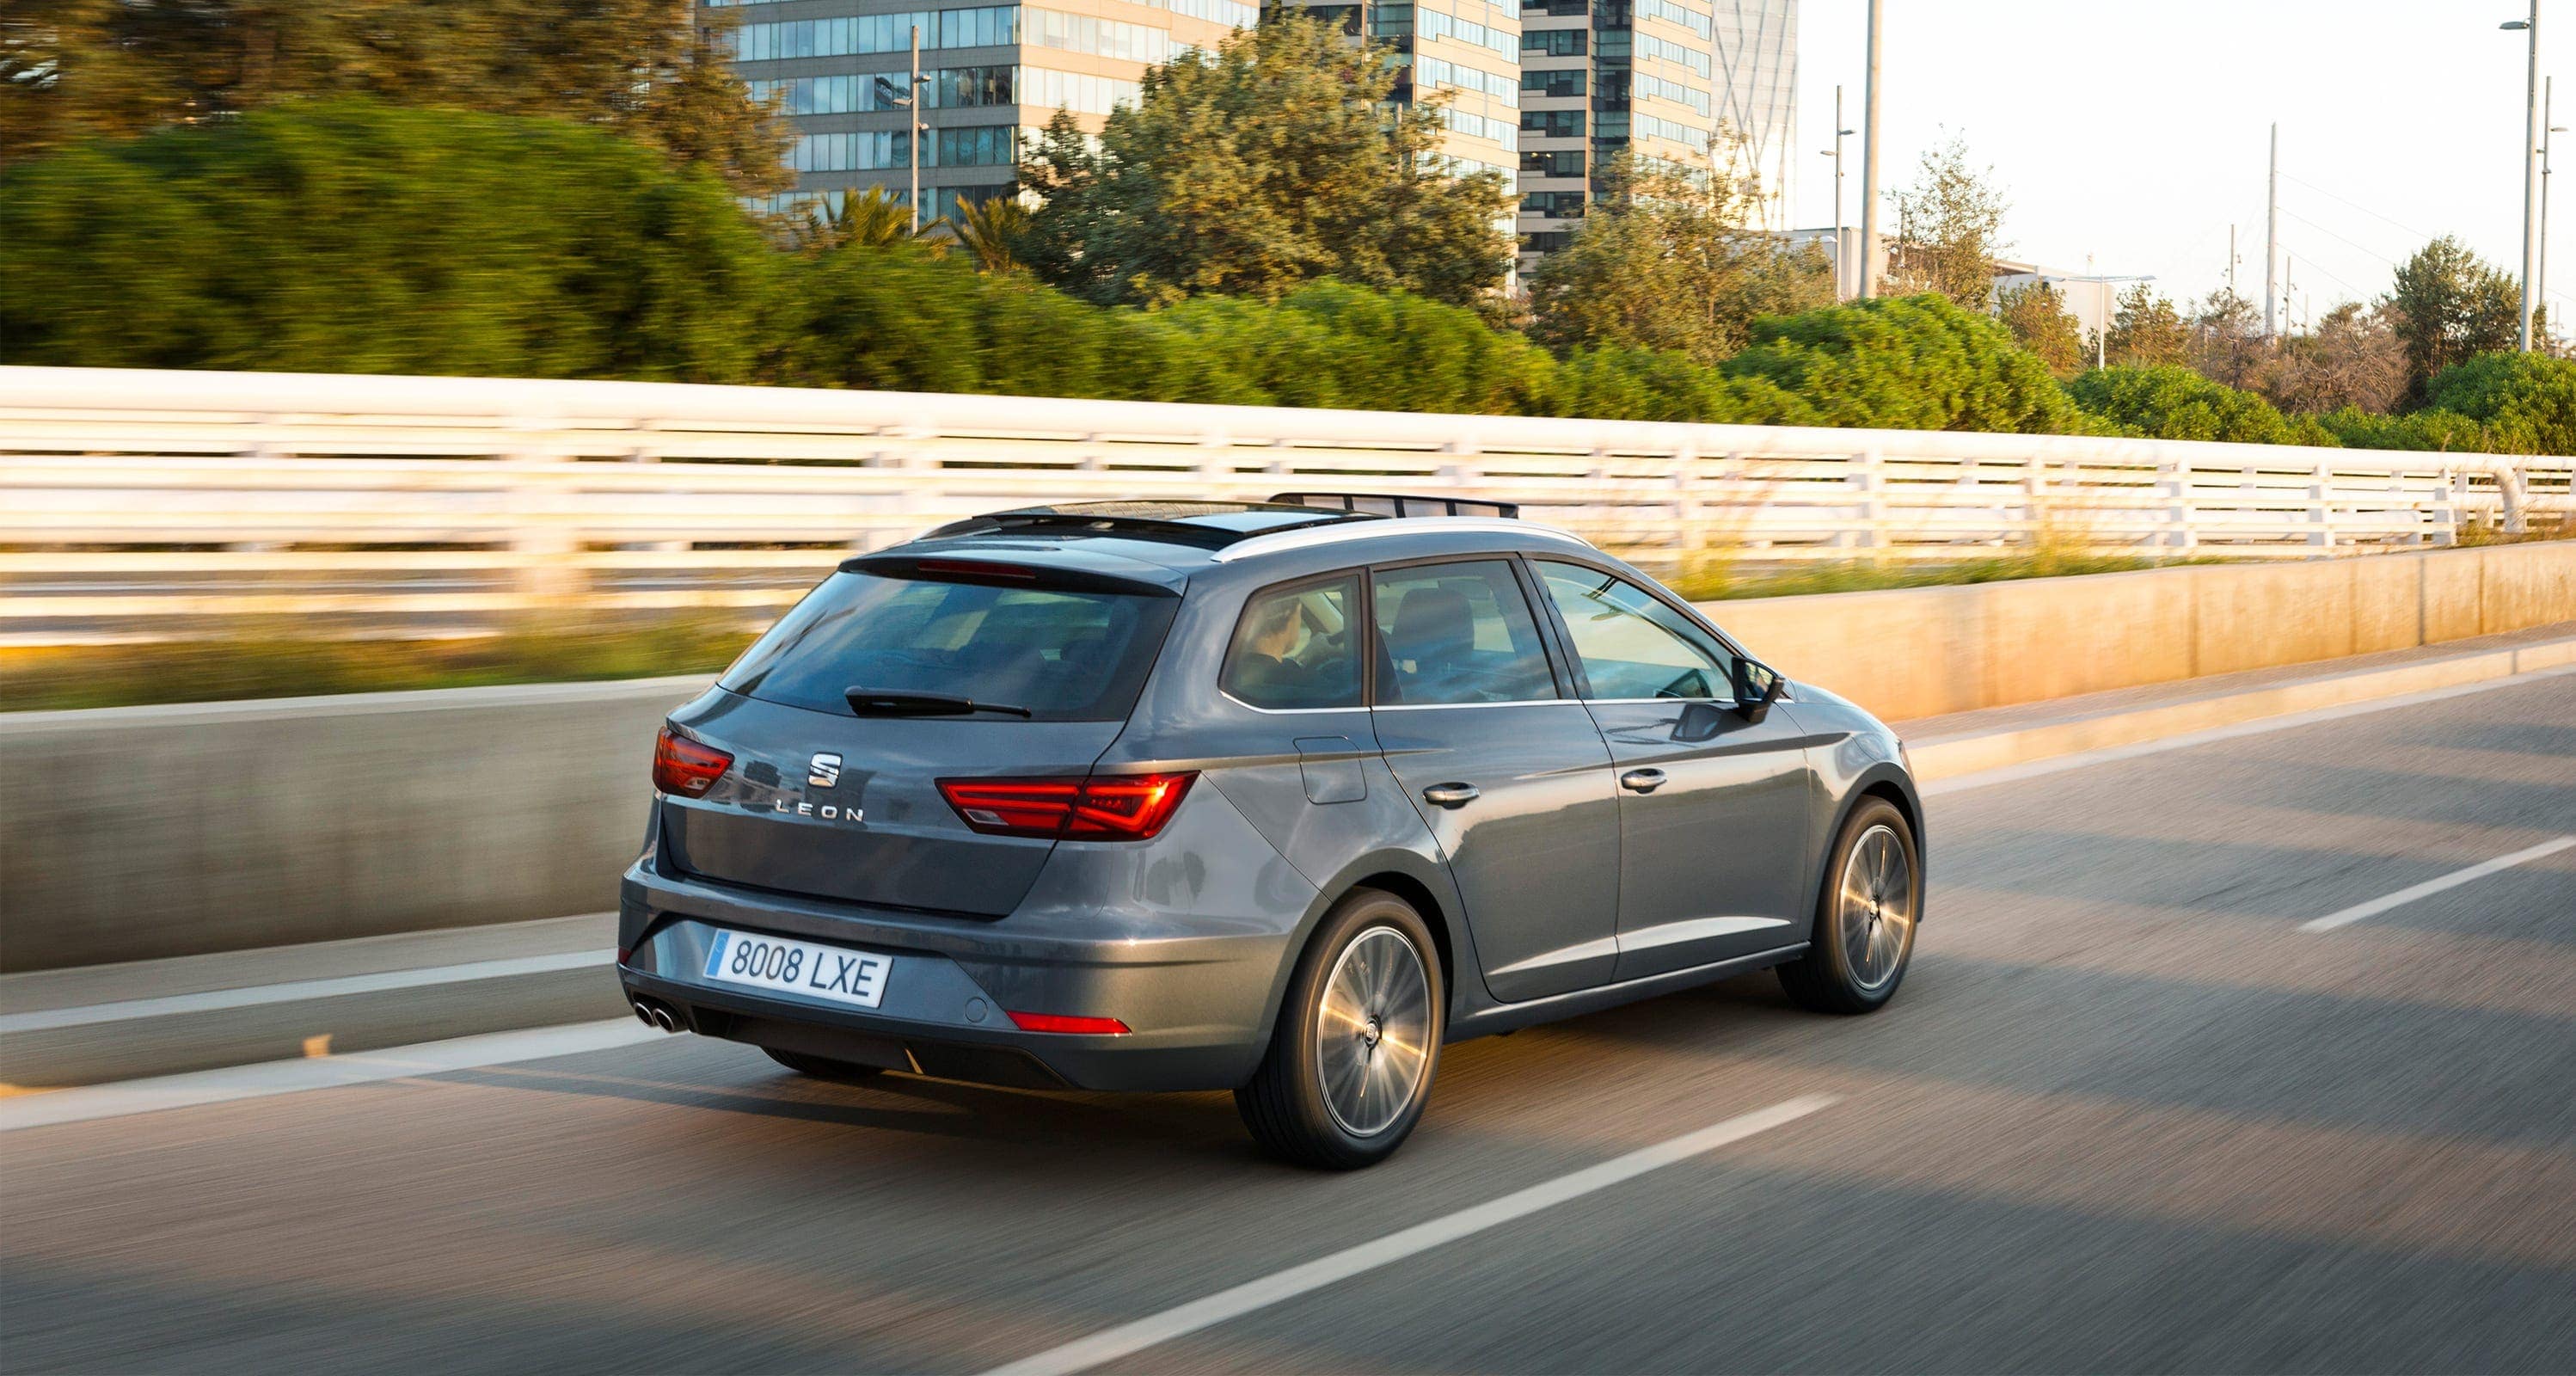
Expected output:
(1288, 711)
(1437, 706)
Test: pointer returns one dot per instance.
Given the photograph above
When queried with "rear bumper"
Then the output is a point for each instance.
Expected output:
(1197, 1003)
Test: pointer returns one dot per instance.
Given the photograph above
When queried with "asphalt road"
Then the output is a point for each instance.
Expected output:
(2125, 1114)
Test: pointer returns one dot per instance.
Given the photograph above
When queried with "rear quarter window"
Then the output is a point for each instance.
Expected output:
(1297, 647)
(1062, 654)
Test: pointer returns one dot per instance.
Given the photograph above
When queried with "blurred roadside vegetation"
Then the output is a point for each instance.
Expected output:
(273, 663)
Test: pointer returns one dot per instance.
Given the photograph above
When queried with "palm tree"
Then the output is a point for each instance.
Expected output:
(991, 230)
(874, 218)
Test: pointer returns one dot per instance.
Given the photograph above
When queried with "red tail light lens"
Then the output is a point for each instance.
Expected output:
(684, 767)
(1118, 807)
(1058, 1022)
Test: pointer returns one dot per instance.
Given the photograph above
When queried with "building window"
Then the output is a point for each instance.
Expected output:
(1556, 205)
(1562, 83)
(1553, 124)
(1567, 163)
(1546, 240)
(983, 145)
(1553, 42)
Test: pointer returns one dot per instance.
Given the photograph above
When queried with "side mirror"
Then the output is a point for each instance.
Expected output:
(1757, 686)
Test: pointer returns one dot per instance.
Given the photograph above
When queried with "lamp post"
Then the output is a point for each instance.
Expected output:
(2548, 137)
(1869, 160)
(2530, 168)
(910, 103)
(1842, 250)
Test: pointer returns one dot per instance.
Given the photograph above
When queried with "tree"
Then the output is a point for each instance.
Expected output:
(2171, 402)
(1264, 164)
(1666, 262)
(874, 218)
(2227, 343)
(2036, 315)
(2525, 402)
(1907, 363)
(2352, 360)
(2146, 331)
(992, 232)
(654, 70)
(1949, 228)
(347, 236)
(2447, 305)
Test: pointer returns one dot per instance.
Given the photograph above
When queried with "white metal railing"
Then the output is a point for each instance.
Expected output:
(138, 503)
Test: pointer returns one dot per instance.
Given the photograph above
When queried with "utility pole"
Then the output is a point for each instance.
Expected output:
(2530, 170)
(2231, 260)
(1869, 161)
(2548, 139)
(2272, 241)
(1842, 241)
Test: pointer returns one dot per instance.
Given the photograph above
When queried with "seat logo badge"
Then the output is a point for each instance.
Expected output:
(825, 771)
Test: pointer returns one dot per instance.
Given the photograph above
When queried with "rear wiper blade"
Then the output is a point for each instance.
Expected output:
(888, 702)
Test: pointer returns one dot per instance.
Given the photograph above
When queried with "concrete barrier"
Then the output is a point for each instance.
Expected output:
(1923, 652)
(133, 833)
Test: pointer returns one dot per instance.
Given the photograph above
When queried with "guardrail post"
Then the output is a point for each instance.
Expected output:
(2445, 509)
(544, 528)
(1216, 464)
(1685, 484)
(2320, 514)
(1868, 482)
(2517, 499)
(2175, 488)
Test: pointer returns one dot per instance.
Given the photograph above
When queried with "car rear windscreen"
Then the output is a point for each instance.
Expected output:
(1063, 655)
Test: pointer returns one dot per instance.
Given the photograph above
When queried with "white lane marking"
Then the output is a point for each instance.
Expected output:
(2015, 773)
(49, 1108)
(1128, 1339)
(2429, 887)
(295, 990)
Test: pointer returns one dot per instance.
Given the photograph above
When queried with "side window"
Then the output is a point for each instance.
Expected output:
(1451, 633)
(1297, 646)
(1631, 644)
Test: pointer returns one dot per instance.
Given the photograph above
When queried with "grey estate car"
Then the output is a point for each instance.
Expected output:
(1266, 797)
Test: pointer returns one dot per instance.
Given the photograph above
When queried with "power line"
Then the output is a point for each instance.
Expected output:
(2366, 210)
(2321, 229)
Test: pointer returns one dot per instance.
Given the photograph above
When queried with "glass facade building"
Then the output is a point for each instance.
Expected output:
(1704, 85)
(996, 74)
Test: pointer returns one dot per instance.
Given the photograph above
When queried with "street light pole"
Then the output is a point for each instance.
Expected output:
(910, 103)
(2530, 168)
(1842, 242)
(2548, 139)
(1869, 161)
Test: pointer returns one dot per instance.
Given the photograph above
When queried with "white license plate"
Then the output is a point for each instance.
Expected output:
(857, 978)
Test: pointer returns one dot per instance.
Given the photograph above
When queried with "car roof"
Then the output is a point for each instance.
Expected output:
(1170, 542)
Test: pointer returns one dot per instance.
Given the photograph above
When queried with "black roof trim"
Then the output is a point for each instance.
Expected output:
(1398, 504)
(1165, 521)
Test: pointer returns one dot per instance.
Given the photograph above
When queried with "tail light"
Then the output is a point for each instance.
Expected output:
(1059, 1022)
(685, 767)
(1117, 807)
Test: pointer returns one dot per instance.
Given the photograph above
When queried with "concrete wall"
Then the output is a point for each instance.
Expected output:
(158, 831)
(162, 831)
(1922, 652)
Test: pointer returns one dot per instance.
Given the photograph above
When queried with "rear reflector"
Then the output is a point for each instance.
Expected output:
(1117, 807)
(683, 766)
(1058, 1022)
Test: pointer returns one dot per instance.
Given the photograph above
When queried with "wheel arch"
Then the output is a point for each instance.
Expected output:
(1887, 780)
(1420, 880)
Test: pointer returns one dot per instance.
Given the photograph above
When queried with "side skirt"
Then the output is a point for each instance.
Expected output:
(1511, 1017)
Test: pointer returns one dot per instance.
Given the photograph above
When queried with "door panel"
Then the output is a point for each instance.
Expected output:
(1535, 851)
(1711, 862)
(1512, 779)
(1712, 808)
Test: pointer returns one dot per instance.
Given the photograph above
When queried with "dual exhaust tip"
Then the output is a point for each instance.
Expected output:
(654, 1013)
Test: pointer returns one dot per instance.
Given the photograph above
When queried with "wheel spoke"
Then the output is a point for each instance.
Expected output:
(1373, 1031)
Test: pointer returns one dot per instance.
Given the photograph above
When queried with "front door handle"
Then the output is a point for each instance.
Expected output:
(1449, 795)
(1642, 780)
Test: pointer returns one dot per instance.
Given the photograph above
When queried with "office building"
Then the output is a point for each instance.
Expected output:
(997, 74)
(1700, 85)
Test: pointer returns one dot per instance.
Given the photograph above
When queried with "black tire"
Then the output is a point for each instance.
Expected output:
(1830, 977)
(824, 1067)
(1285, 1105)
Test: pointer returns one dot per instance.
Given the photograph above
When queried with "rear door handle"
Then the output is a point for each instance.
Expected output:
(1642, 780)
(1449, 795)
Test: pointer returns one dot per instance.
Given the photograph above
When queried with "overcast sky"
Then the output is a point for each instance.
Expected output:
(2135, 132)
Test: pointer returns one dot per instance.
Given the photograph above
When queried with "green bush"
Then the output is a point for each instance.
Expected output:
(2435, 431)
(351, 236)
(2170, 402)
(2525, 403)
(1907, 363)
